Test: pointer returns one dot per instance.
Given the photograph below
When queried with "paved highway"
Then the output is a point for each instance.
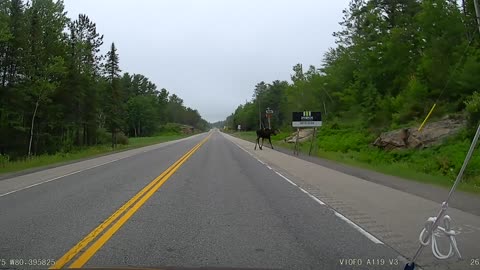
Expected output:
(204, 201)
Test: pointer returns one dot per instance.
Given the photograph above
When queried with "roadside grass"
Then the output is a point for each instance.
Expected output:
(437, 165)
(246, 135)
(82, 153)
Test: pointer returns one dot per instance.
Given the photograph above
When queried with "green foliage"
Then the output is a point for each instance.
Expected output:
(393, 61)
(409, 104)
(473, 110)
(142, 114)
(60, 93)
(443, 160)
(4, 160)
(171, 128)
(122, 138)
(343, 140)
(103, 136)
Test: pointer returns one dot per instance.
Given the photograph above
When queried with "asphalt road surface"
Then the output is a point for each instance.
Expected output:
(197, 202)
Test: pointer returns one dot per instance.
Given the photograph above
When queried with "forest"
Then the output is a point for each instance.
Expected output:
(393, 60)
(58, 92)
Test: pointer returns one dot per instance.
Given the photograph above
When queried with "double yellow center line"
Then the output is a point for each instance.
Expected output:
(127, 210)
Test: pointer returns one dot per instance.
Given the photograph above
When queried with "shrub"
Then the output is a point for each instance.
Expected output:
(473, 110)
(171, 128)
(4, 159)
(122, 138)
(67, 144)
(343, 140)
(410, 102)
(103, 136)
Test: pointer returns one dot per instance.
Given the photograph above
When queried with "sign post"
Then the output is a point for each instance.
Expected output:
(295, 148)
(313, 141)
(306, 119)
(268, 114)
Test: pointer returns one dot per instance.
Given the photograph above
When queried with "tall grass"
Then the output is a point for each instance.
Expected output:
(436, 165)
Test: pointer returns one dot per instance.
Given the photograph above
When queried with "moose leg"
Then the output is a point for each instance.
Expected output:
(261, 146)
(257, 142)
(270, 140)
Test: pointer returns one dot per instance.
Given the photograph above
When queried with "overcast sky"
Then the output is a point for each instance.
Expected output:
(212, 53)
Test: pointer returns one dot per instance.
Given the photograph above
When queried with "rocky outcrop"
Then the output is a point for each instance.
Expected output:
(408, 138)
(305, 135)
(187, 129)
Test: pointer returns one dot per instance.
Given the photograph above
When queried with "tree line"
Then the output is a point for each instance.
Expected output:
(57, 91)
(393, 60)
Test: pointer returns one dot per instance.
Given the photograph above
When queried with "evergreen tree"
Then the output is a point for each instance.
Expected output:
(113, 102)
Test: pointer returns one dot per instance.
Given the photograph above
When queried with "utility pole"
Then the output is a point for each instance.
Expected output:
(269, 114)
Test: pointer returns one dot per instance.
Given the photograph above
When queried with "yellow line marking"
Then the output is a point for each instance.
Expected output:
(98, 230)
(426, 118)
(112, 230)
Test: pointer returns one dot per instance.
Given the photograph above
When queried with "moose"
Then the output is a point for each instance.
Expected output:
(264, 133)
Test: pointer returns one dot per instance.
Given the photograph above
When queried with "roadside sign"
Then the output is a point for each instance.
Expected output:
(306, 119)
(268, 113)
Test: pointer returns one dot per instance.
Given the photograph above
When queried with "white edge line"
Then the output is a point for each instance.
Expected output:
(358, 228)
(316, 199)
(261, 161)
(342, 217)
(245, 150)
(351, 223)
(58, 177)
(303, 190)
(286, 179)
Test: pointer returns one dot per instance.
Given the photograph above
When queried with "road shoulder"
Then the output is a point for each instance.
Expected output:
(464, 201)
(8, 175)
(30, 179)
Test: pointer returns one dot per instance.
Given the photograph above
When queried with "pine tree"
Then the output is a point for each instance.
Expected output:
(114, 107)
(85, 65)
